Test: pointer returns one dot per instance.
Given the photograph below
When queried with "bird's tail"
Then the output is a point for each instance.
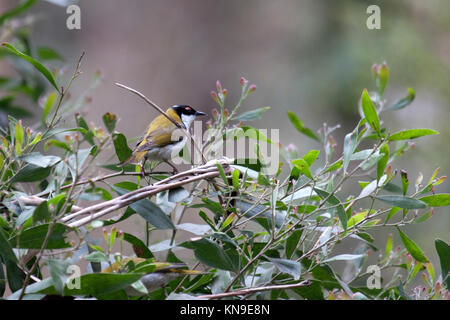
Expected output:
(136, 157)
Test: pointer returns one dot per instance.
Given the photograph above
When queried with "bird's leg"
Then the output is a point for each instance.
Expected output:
(175, 170)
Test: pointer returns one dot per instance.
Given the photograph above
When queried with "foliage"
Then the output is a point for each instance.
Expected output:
(284, 230)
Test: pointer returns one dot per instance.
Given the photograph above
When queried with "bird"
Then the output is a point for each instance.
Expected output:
(159, 142)
(157, 274)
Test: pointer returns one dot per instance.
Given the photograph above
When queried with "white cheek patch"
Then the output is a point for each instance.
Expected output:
(187, 120)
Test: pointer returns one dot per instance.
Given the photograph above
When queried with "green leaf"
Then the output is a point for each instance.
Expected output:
(300, 127)
(94, 284)
(18, 134)
(405, 181)
(251, 115)
(88, 135)
(35, 63)
(290, 267)
(15, 275)
(33, 238)
(370, 113)
(411, 134)
(334, 166)
(21, 7)
(57, 269)
(403, 202)
(57, 143)
(400, 104)
(31, 173)
(381, 164)
(383, 76)
(333, 200)
(6, 250)
(211, 254)
(110, 119)
(389, 246)
(391, 213)
(77, 160)
(236, 174)
(48, 105)
(303, 167)
(437, 200)
(2, 278)
(96, 256)
(222, 173)
(149, 211)
(311, 292)
(292, 242)
(412, 248)
(40, 160)
(138, 245)
(41, 213)
(350, 142)
(443, 251)
(46, 53)
(345, 257)
(123, 152)
(311, 157)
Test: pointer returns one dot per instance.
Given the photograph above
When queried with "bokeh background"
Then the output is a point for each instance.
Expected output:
(311, 57)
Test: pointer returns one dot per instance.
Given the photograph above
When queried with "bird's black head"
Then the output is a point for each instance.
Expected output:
(186, 110)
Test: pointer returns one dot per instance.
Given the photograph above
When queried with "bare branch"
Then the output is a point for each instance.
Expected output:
(96, 211)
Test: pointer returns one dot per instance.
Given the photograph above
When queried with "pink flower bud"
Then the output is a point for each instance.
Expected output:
(243, 82)
(218, 86)
(252, 88)
(374, 70)
(214, 96)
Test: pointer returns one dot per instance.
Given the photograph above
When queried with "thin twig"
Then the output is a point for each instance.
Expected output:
(254, 290)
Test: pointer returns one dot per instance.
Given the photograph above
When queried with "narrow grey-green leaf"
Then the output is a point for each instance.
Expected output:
(350, 141)
(437, 200)
(300, 127)
(403, 102)
(443, 251)
(333, 200)
(345, 257)
(40, 160)
(149, 211)
(251, 115)
(402, 202)
(33, 238)
(211, 254)
(31, 173)
(370, 113)
(413, 248)
(290, 267)
(43, 70)
(411, 134)
(292, 242)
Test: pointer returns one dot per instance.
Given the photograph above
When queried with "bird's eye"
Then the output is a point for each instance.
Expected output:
(188, 108)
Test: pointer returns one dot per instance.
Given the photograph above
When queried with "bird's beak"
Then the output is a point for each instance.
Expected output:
(199, 113)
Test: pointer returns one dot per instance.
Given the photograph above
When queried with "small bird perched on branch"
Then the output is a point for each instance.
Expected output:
(160, 142)
(157, 274)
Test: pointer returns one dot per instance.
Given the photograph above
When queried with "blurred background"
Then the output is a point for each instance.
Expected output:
(311, 57)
